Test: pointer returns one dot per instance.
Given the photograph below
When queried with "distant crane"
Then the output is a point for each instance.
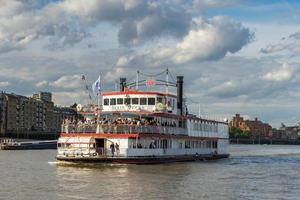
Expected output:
(87, 89)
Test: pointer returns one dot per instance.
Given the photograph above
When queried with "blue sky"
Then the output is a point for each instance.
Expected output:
(237, 56)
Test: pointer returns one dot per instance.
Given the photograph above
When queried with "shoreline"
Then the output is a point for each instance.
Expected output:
(264, 141)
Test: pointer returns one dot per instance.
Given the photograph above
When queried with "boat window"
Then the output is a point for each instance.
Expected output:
(106, 102)
(127, 101)
(58, 144)
(151, 101)
(135, 101)
(120, 101)
(159, 99)
(143, 101)
(112, 102)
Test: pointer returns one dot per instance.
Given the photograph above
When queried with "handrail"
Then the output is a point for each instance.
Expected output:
(122, 128)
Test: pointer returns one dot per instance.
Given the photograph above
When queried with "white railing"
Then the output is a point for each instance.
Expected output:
(122, 129)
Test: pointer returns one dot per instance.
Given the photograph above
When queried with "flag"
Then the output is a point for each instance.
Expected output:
(150, 82)
(97, 86)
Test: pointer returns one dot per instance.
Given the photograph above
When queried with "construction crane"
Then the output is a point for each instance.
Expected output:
(87, 89)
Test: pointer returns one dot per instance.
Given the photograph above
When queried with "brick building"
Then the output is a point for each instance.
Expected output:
(256, 127)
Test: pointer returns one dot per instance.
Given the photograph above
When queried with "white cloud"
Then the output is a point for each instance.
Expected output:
(65, 23)
(212, 39)
(114, 74)
(289, 44)
(68, 82)
(4, 84)
(122, 61)
(283, 73)
(42, 83)
(68, 98)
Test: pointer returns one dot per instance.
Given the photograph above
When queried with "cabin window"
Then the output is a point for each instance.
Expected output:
(143, 101)
(112, 102)
(106, 102)
(151, 101)
(120, 101)
(159, 99)
(128, 101)
(135, 101)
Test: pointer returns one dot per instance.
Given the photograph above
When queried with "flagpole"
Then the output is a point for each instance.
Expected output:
(99, 104)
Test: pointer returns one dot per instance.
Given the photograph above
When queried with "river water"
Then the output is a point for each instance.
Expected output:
(252, 172)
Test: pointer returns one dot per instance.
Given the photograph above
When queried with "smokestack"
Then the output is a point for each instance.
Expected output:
(180, 94)
(122, 84)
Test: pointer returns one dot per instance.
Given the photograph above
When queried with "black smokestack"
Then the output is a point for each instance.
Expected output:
(180, 93)
(122, 84)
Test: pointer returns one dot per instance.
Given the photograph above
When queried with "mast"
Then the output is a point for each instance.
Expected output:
(99, 103)
(167, 81)
(137, 80)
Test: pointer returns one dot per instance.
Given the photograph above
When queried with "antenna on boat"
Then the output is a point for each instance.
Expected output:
(167, 81)
(137, 80)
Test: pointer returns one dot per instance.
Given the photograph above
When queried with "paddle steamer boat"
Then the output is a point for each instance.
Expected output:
(143, 127)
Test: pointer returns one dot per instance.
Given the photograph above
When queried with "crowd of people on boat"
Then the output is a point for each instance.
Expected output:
(120, 121)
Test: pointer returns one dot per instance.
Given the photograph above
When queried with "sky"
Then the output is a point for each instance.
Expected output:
(236, 56)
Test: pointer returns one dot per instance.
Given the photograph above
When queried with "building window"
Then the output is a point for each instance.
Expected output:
(120, 101)
(112, 102)
(143, 101)
(135, 101)
(151, 101)
(106, 102)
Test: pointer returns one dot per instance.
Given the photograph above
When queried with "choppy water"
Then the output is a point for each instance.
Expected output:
(252, 172)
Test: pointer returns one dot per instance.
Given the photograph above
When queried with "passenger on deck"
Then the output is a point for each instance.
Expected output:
(112, 148)
(117, 149)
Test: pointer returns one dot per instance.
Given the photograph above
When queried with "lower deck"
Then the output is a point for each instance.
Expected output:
(143, 146)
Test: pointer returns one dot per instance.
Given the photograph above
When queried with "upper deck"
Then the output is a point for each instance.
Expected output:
(133, 100)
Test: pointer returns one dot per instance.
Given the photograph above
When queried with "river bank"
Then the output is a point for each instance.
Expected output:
(264, 141)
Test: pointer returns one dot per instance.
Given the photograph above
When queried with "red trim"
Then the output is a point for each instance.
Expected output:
(136, 92)
(122, 135)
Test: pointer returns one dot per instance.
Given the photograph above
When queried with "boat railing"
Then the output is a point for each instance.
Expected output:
(104, 128)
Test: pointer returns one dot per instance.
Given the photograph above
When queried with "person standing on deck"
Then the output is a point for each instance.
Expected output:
(112, 148)
(117, 149)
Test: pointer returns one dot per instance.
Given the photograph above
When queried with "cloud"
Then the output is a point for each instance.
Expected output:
(214, 3)
(283, 73)
(212, 39)
(208, 39)
(66, 23)
(114, 74)
(68, 82)
(290, 44)
(4, 84)
(68, 98)
(42, 83)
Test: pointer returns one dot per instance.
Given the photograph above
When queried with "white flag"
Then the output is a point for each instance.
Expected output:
(97, 86)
